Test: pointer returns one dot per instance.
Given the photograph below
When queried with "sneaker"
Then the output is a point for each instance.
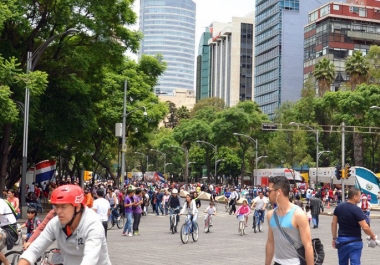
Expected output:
(129, 234)
(124, 234)
(135, 233)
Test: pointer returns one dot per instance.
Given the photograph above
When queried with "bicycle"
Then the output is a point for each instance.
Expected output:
(112, 220)
(240, 217)
(13, 257)
(257, 220)
(48, 258)
(227, 206)
(188, 228)
(208, 222)
(173, 219)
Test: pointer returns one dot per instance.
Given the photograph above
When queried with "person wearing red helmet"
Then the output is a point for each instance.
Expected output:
(78, 230)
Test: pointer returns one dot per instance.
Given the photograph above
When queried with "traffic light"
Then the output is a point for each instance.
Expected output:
(87, 175)
(269, 127)
(348, 171)
(338, 172)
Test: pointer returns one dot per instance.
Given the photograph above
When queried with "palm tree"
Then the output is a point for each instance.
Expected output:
(324, 73)
(357, 67)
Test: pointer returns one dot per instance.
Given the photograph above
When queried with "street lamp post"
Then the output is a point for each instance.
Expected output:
(317, 147)
(319, 155)
(186, 161)
(215, 147)
(32, 59)
(256, 147)
(123, 146)
(162, 153)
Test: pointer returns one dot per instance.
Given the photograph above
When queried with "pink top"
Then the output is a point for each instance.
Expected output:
(243, 210)
(15, 202)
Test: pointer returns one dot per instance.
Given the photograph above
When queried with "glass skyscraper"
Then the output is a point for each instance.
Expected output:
(279, 48)
(169, 29)
(203, 66)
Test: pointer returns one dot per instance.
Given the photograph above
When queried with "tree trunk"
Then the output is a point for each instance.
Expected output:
(4, 153)
(358, 150)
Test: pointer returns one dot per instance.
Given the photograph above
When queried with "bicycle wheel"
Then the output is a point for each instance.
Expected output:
(254, 223)
(120, 223)
(241, 226)
(184, 233)
(110, 223)
(195, 233)
(206, 228)
(13, 257)
(260, 225)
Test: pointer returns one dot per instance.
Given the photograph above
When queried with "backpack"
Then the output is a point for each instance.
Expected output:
(12, 209)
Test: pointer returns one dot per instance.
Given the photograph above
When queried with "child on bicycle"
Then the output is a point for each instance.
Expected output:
(244, 210)
(31, 223)
(210, 210)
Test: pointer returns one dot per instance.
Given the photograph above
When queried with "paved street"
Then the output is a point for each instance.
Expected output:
(156, 245)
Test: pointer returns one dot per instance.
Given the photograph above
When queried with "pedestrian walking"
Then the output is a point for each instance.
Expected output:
(316, 206)
(136, 209)
(288, 219)
(103, 208)
(348, 239)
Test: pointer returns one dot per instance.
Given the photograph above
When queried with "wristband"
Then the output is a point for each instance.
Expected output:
(334, 238)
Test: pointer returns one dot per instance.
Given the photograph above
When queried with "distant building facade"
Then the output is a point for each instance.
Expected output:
(231, 60)
(203, 66)
(335, 30)
(279, 50)
(169, 29)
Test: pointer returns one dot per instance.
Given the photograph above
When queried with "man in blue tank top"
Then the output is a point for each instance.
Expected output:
(293, 222)
(348, 239)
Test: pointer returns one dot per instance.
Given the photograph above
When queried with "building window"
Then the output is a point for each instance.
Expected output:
(325, 10)
(313, 16)
(336, 7)
(362, 12)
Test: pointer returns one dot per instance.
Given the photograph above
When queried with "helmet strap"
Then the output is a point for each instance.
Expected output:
(74, 215)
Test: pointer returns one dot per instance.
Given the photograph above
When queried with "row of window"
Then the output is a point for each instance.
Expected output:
(186, 4)
(267, 14)
(169, 17)
(274, 63)
(173, 30)
(267, 77)
(267, 34)
(160, 23)
(269, 23)
(167, 36)
(290, 5)
(171, 44)
(163, 10)
(267, 98)
(268, 45)
(268, 87)
(167, 49)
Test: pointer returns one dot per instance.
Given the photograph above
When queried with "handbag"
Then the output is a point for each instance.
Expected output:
(318, 251)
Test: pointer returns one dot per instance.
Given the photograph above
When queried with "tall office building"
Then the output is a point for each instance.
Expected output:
(336, 30)
(203, 66)
(169, 29)
(279, 50)
(231, 56)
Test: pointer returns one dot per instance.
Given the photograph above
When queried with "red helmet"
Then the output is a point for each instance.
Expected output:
(72, 194)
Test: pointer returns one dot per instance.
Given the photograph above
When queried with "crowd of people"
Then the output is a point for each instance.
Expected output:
(74, 206)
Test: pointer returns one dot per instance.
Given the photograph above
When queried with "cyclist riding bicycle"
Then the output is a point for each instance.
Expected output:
(210, 210)
(244, 210)
(77, 229)
(174, 203)
(8, 231)
(260, 204)
(31, 223)
(191, 209)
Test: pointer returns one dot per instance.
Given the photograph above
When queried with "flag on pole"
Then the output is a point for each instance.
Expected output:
(45, 170)
(159, 177)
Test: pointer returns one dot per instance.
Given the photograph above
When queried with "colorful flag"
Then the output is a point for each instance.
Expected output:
(45, 170)
(159, 177)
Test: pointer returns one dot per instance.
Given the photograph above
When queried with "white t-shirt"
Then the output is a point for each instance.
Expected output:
(101, 206)
(210, 210)
(260, 202)
(6, 215)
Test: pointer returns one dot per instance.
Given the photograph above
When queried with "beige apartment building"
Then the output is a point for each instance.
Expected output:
(232, 59)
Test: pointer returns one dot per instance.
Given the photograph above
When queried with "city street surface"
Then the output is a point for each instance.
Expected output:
(157, 245)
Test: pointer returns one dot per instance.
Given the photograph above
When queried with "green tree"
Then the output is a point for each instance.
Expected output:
(324, 73)
(217, 104)
(357, 67)
(374, 61)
